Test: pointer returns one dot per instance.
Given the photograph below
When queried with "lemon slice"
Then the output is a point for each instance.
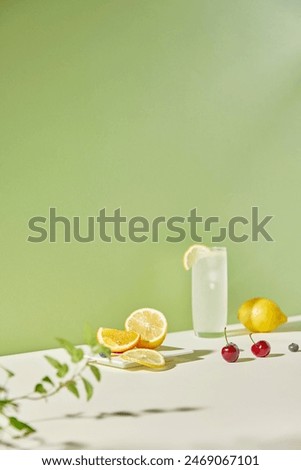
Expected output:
(145, 357)
(150, 324)
(117, 340)
(193, 254)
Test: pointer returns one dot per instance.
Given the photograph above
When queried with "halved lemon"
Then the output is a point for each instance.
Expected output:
(193, 254)
(117, 340)
(145, 357)
(150, 324)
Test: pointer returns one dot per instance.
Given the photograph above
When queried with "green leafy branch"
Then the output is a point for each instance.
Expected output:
(66, 375)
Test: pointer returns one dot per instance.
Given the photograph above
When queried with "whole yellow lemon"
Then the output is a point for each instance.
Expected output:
(261, 315)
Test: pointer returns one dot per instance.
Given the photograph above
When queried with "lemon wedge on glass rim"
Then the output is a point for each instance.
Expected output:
(193, 254)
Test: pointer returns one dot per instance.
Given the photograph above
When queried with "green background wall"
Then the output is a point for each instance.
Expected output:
(154, 106)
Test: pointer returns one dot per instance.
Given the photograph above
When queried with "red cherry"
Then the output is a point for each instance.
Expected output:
(230, 352)
(261, 348)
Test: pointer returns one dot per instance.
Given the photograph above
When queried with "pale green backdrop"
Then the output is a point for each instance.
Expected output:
(154, 106)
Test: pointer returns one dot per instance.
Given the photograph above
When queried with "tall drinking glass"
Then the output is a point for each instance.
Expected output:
(210, 293)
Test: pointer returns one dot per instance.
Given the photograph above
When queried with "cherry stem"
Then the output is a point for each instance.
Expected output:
(251, 338)
(225, 334)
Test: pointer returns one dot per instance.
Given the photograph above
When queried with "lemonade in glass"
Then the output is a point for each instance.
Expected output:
(210, 292)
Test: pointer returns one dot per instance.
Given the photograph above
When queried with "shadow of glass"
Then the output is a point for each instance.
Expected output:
(196, 355)
(199, 352)
(238, 332)
(290, 326)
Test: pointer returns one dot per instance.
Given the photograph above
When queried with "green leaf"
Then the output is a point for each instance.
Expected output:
(91, 339)
(96, 372)
(20, 426)
(63, 370)
(9, 373)
(52, 361)
(71, 386)
(88, 387)
(39, 388)
(69, 347)
(3, 389)
(4, 403)
(47, 380)
(89, 335)
(77, 355)
(101, 349)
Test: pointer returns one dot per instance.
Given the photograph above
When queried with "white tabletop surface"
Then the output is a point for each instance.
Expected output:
(199, 402)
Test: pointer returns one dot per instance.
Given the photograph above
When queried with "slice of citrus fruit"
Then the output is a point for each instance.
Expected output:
(261, 315)
(117, 340)
(150, 324)
(193, 254)
(145, 357)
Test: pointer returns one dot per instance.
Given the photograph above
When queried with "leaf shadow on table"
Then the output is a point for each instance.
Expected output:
(137, 414)
(283, 441)
(120, 414)
(6, 445)
(32, 442)
(130, 414)
(72, 445)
